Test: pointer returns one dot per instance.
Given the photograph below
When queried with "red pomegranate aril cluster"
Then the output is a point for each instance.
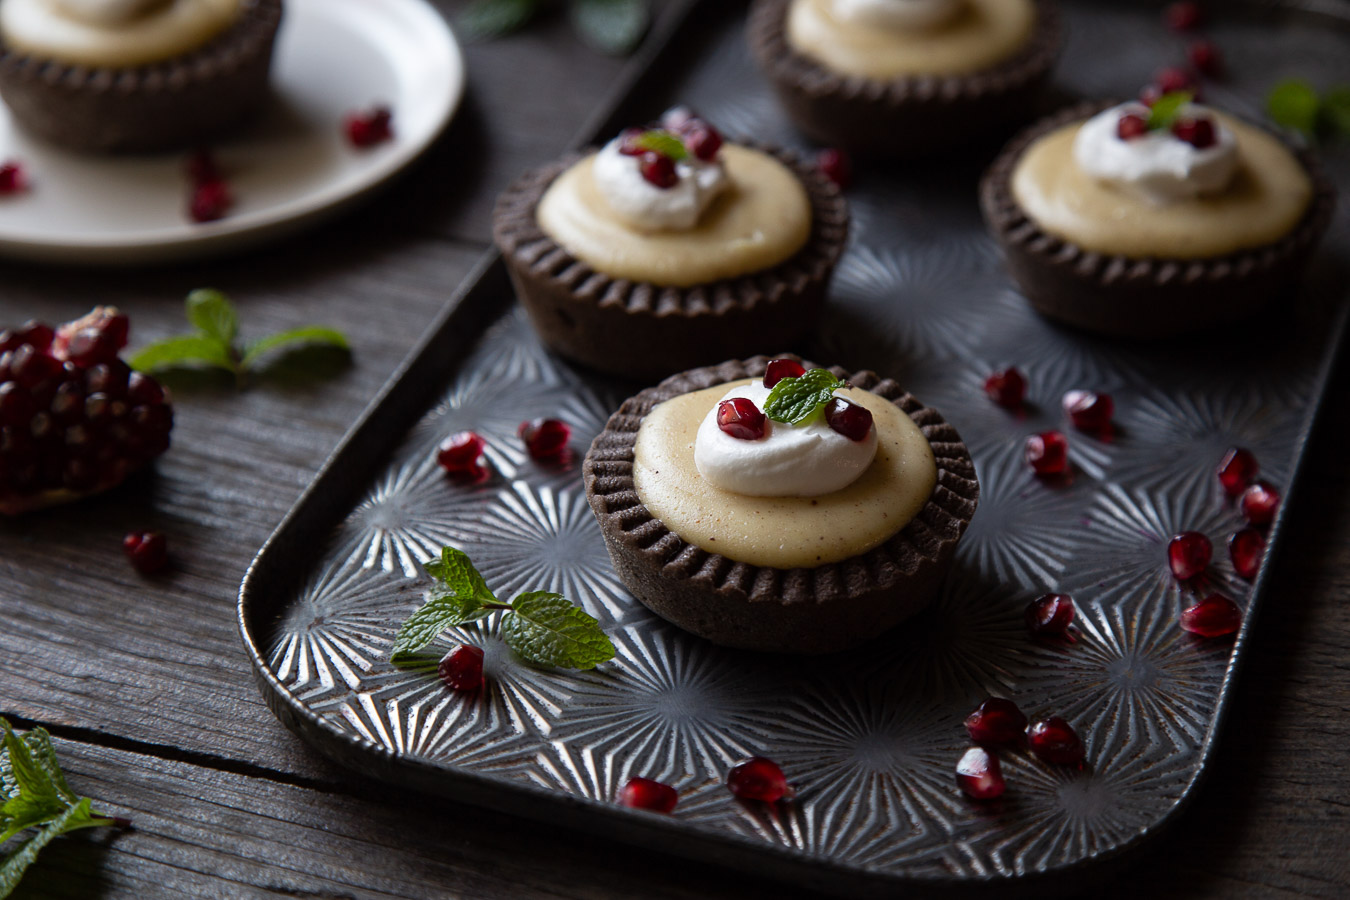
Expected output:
(649, 794)
(1131, 126)
(741, 419)
(1055, 741)
(1259, 503)
(1173, 79)
(369, 128)
(1198, 132)
(995, 722)
(1006, 388)
(852, 420)
(1214, 616)
(1246, 548)
(1050, 614)
(1188, 554)
(462, 668)
(778, 369)
(1089, 411)
(700, 139)
(1237, 470)
(545, 439)
(979, 775)
(834, 164)
(459, 454)
(148, 551)
(1048, 453)
(1206, 57)
(658, 169)
(12, 178)
(1184, 16)
(759, 778)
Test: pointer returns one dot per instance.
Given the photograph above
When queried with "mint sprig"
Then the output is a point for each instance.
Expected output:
(215, 343)
(34, 794)
(541, 626)
(1166, 109)
(1294, 103)
(794, 400)
(666, 143)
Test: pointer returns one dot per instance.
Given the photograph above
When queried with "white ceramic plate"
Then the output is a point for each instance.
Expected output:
(289, 168)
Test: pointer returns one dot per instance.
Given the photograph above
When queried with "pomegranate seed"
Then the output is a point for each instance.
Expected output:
(679, 118)
(545, 438)
(1206, 58)
(1237, 470)
(979, 776)
(1259, 503)
(1089, 411)
(778, 369)
(628, 144)
(1199, 133)
(851, 420)
(1048, 453)
(703, 141)
(1188, 554)
(366, 129)
(644, 793)
(1184, 16)
(1246, 548)
(740, 418)
(1131, 126)
(1213, 616)
(1173, 79)
(759, 778)
(996, 721)
(835, 165)
(462, 668)
(1150, 94)
(37, 335)
(658, 170)
(1006, 388)
(1055, 741)
(12, 179)
(1050, 614)
(147, 550)
(459, 453)
(211, 200)
(201, 167)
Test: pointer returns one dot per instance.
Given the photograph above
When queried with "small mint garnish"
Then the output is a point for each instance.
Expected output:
(1167, 108)
(794, 400)
(663, 142)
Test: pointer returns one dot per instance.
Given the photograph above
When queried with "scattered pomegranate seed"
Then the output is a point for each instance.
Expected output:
(644, 793)
(1213, 616)
(1006, 388)
(703, 141)
(545, 438)
(1199, 133)
(849, 419)
(658, 170)
(1089, 411)
(1206, 58)
(1188, 554)
(1050, 614)
(1259, 503)
(366, 129)
(835, 165)
(996, 721)
(459, 453)
(147, 550)
(1131, 126)
(211, 200)
(979, 776)
(1184, 16)
(778, 369)
(12, 178)
(1173, 79)
(1048, 453)
(759, 778)
(1246, 549)
(1237, 470)
(740, 418)
(202, 167)
(462, 668)
(1055, 741)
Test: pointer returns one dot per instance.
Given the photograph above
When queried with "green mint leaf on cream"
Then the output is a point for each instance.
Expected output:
(1165, 111)
(662, 142)
(794, 400)
(546, 629)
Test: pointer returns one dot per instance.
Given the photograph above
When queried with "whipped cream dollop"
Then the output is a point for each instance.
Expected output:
(645, 207)
(1157, 166)
(897, 15)
(789, 461)
(107, 12)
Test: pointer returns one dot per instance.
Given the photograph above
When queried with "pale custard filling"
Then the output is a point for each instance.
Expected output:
(781, 532)
(983, 34)
(50, 30)
(761, 220)
(1266, 198)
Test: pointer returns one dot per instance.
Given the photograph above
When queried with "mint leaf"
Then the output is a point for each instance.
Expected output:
(544, 628)
(213, 314)
(1165, 111)
(611, 26)
(456, 572)
(1293, 103)
(1336, 110)
(296, 337)
(484, 19)
(794, 400)
(662, 142)
(67, 820)
(188, 350)
(440, 612)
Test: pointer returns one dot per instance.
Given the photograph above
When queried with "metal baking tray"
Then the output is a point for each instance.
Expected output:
(870, 737)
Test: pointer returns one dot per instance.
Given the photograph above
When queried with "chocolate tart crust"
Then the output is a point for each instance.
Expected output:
(1142, 297)
(647, 331)
(911, 115)
(809, 611)
(176, 104)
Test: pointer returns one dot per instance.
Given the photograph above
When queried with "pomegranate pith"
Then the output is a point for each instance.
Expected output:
(996, 721)
(545, 438)
(759, 778)
(1089, 411)
(851, 420)
(1246, 549)
(778, 369)
(1048, 453)
(646, 793)
(1214, 616)
(1055, 741)
(1237, 469)
(1050, 614)
(741, 419)
(1188, 554)
(1259, 503)
(978, 774)
(462, 668)
(147, 550)
(1006, 388)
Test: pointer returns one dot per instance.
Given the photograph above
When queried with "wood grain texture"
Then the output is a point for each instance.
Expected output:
(147, 685)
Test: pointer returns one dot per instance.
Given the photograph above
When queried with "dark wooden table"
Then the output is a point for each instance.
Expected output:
(144, 683)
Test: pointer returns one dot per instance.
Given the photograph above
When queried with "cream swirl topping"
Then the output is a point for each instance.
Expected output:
(1156, 166)
(805, 460)
(113, 33)
(645, 207)
(897, 15)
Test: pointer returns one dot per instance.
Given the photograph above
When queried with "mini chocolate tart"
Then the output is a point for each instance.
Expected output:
(1142, 297)
(815, 610)
(643, 330)
(908, 115)
(179, 103)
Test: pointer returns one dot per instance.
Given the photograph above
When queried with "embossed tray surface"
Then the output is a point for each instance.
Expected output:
(870, 737)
